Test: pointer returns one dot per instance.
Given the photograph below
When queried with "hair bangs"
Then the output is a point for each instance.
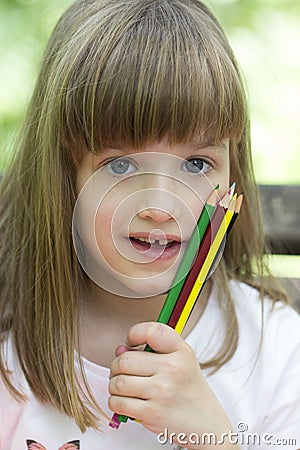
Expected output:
(164, 75)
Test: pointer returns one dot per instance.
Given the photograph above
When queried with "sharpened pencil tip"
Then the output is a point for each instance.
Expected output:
(213, 198)
(232, 203)
(232, 189)
(238, 203)
(228, 196)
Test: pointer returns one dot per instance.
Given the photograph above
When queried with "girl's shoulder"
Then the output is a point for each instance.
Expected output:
(272, 327)
(267, 362)
(272, 314)
(260, 384)
(262, 325)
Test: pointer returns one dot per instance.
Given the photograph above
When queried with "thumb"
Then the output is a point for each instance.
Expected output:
(160, 337)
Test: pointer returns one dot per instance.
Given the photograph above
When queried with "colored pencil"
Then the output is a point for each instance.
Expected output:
(188, 257)
(193, 250)
(201, 255)
(204, 269)
(206, 243)
(237, 210)
(221, 248)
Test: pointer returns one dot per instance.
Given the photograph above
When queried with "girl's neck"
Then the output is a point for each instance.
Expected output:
(105, 319)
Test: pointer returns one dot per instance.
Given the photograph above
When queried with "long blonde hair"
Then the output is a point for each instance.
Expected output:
(133, 71)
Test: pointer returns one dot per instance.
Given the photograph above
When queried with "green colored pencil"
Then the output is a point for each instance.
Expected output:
(188, 257)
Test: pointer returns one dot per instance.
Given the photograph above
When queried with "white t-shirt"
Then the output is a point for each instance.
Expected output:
(261, 397)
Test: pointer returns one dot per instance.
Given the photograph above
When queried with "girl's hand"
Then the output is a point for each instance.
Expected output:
(166, 389)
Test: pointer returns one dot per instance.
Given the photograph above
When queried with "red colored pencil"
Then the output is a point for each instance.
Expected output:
(208, 238)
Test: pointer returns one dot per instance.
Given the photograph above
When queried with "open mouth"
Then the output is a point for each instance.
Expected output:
(155, 248)
(147, 243)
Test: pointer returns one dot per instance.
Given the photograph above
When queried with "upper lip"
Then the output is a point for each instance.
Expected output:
(155, 235)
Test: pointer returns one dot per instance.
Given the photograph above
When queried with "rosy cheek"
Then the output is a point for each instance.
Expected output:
(104, 224)
(105, 214)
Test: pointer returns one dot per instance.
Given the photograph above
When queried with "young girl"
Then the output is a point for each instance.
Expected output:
(138, 113)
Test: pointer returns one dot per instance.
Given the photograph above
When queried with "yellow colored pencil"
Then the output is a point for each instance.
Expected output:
(204, 270)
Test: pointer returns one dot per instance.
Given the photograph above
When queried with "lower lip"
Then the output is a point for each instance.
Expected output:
(157, 253)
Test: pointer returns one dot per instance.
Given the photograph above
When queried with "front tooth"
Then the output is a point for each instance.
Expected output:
(151, 241)
(142, 239)
(163, 242)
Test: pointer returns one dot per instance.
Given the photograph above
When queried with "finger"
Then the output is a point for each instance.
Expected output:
(160, 337)
(122, 349)
(130, 386)
(138, 363)
(129, 406)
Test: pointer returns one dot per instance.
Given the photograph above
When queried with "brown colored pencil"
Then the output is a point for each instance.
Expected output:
(208, 238)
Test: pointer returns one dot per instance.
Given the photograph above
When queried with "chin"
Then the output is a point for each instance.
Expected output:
(138, 285)
(142, 287)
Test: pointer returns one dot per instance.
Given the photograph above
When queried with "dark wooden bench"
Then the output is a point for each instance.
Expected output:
(281, 215)
(281, 218)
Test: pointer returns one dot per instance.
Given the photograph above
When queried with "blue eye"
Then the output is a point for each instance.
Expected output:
(121, 166)
(196, 165)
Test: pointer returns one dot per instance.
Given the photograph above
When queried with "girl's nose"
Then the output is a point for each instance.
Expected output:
(157, 215)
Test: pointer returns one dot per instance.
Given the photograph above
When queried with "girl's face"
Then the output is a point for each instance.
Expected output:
(136, 211)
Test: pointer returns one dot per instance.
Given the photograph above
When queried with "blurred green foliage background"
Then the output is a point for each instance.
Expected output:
(265, 35)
